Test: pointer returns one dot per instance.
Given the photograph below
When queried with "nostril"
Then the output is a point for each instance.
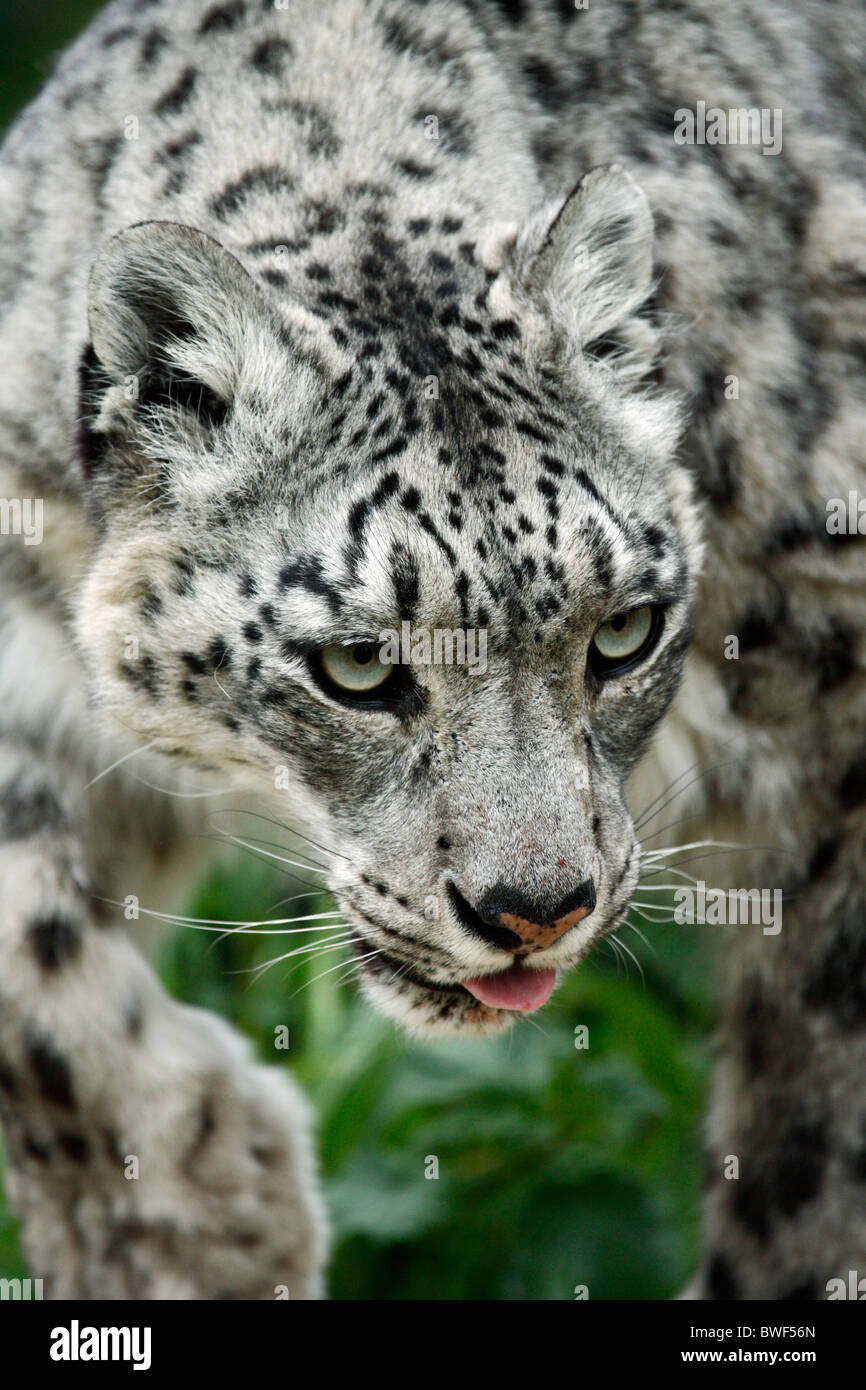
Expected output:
(583, 896)
(489, 931)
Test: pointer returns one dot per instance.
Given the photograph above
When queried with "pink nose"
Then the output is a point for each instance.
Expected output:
(535, 935)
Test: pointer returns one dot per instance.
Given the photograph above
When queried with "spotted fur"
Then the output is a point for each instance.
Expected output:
(287, 372)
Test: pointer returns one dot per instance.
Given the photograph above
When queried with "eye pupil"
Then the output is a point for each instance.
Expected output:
(623, 639)
(356, 669)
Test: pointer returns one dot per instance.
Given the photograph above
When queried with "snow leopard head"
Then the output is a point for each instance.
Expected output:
(301, 478)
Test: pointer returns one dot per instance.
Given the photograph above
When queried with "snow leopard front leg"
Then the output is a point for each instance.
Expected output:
(147, 1156)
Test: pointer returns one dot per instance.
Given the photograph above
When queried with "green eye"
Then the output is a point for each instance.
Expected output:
(618, 643)
(356, 668)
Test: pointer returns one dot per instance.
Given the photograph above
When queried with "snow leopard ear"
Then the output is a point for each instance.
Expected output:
(589, 259)
(170, 310)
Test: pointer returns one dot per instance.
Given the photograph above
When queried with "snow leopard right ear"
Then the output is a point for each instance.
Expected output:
(589, 260)
(170, 313)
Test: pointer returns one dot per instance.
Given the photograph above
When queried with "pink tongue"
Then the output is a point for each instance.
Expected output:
(517, 988)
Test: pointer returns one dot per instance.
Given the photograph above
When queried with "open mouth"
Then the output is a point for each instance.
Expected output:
(399, 986)
(518, 989)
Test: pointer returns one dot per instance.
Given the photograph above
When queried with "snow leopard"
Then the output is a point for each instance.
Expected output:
(533, 319)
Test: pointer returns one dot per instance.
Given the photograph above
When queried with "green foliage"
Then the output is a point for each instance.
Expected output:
(557, 1166)
(11, 1264)
(33, 33)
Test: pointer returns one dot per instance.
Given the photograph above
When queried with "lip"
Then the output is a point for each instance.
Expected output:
(397, 967)
(489, 985)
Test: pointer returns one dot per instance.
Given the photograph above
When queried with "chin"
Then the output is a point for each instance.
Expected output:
(433, 1008)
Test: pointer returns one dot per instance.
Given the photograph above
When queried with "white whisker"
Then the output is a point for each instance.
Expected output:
(259, 854)
(341, 965)
(125, 759)
(629, 952)
(249, 928)
(290, 830)
(307, 861)
(609, 941)
(665, 869)
(663, 797)
(281, 859)
(662, 887)
(169, 791)
(671, 825)
(293, 897)
(645, 939)
(332, 943)
(693, 844)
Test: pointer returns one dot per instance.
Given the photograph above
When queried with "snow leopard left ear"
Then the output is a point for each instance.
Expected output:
(589, 259)
(170, 310)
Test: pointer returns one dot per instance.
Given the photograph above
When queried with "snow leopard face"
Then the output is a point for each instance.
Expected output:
(423, 441)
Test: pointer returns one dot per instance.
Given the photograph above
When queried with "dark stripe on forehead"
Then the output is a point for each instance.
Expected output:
(411, 500)
(359, 514)
(306, 573)
(405, 579)
(581, 476)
